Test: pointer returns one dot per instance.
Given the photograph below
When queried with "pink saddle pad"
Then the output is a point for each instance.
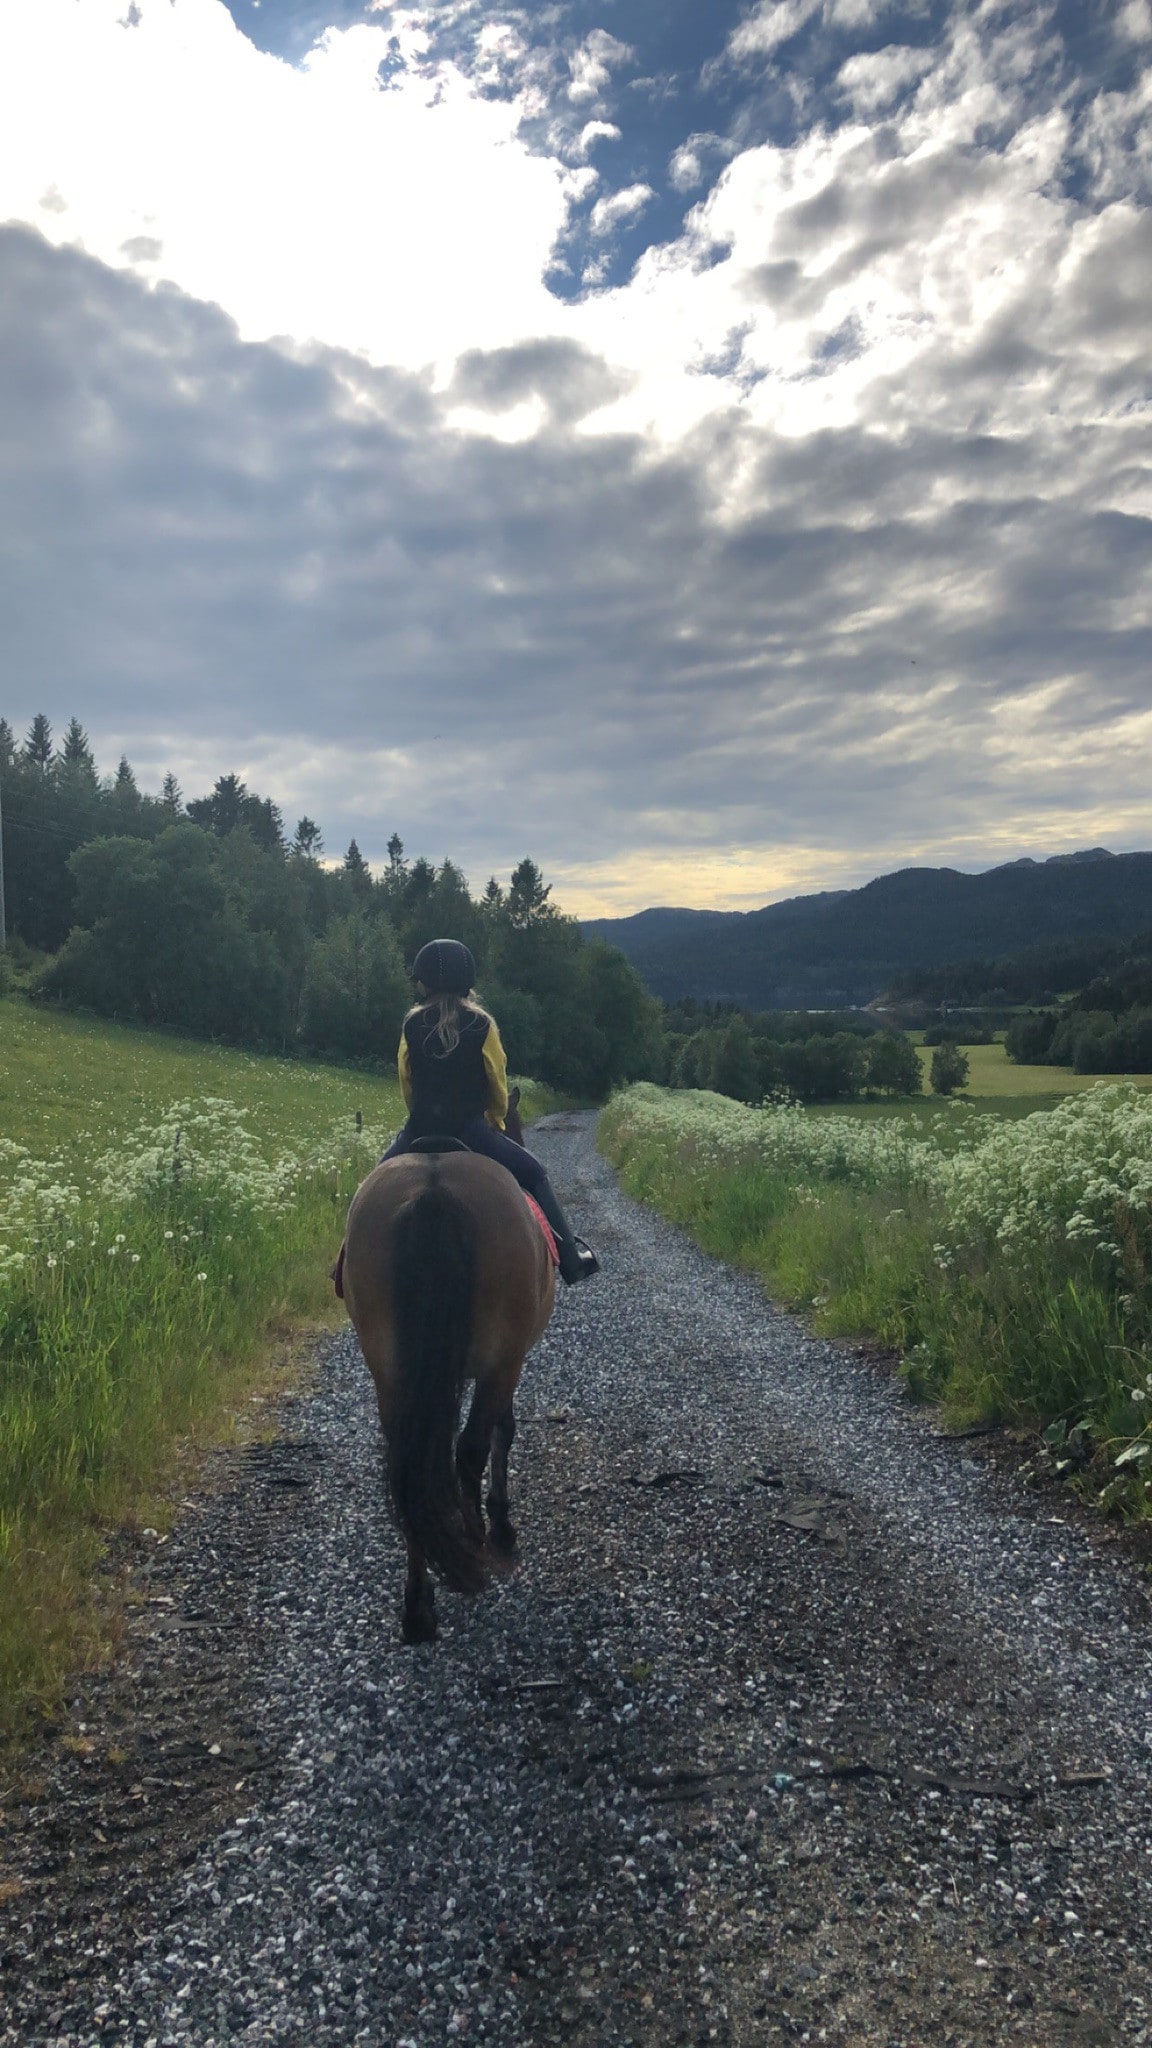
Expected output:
(546, 1227)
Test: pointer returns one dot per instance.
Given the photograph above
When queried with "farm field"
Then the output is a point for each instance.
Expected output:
(68, 1084)
(996, 1087)
(994, 1079)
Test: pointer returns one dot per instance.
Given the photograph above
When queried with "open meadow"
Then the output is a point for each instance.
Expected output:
(168, 1214)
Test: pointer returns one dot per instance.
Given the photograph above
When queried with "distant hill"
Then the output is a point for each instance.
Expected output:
(844, 946)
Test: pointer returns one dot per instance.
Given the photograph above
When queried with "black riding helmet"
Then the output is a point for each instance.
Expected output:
(444, 967)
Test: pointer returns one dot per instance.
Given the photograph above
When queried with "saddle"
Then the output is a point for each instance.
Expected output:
(446, 1144)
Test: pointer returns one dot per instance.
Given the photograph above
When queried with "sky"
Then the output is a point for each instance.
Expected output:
(705, 448)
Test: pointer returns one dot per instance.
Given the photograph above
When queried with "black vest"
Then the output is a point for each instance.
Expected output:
(448, 1089)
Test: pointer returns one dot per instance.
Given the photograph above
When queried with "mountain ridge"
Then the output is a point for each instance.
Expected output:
(844, 945)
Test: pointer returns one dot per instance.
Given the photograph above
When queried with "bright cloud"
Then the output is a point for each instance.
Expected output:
(821, 540)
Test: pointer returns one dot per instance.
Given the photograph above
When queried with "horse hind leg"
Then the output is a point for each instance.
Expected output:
(472, 1454)
(418, 1622)
(501, 1530)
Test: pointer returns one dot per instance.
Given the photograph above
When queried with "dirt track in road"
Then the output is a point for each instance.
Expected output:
(795, 1723)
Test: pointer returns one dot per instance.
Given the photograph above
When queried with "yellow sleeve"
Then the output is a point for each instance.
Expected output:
(496, 1068)
(405, 1065)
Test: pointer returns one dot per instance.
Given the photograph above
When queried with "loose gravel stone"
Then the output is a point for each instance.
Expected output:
(793, 1723)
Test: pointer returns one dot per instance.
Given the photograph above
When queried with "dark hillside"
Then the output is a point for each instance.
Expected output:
(844, 947)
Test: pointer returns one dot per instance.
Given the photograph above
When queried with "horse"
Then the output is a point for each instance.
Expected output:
(448, 1277)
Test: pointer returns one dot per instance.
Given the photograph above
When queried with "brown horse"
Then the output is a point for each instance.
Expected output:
(448, 1278)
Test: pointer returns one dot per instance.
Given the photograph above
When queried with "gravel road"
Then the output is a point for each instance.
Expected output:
(797, 1722)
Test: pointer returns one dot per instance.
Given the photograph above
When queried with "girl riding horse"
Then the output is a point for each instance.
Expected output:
(455, 1080)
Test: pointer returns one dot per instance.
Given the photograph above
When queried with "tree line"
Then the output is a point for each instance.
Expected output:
(1105, 1028)
(834, 1056)
(207, 917)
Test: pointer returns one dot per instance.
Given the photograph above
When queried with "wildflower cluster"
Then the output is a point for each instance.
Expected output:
(35, 1199)
(1080, 1173)
(712, 1131)
(201, 1156)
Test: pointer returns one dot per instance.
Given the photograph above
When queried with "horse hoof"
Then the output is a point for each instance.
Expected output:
(420, 1627)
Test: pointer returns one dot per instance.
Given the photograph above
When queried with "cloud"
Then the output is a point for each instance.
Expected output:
(230, 554)
(772, 23)
(592, 133)
(819, 544)
(875, 78)
(1134, 22)
(616, 207)
(324, 207)
(592, 65)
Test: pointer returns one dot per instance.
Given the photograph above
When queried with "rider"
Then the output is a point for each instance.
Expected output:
(455, 1080)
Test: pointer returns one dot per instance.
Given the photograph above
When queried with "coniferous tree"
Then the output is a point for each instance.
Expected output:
(7, 744)
(309, 840)
(38, 744)
(172, 796)
(356, 875)
(75, 755)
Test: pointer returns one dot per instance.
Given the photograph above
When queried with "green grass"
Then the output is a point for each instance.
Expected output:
(70, 1083)
(136, 1323)
(962, 1254)
(995, 1080)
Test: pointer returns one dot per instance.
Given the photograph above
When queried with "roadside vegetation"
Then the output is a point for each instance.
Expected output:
(168, 1215)
(1007, 1260)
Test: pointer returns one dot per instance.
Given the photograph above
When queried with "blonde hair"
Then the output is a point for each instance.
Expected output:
(446, 1024)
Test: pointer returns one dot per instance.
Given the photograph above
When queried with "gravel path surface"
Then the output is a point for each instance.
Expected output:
(796, 1722)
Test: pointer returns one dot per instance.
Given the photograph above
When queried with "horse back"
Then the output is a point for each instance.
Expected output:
(513, 1278)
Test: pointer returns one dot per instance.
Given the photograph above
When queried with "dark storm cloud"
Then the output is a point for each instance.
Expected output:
(222, 554)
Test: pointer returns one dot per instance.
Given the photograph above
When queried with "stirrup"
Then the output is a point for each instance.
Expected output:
(586, 1263)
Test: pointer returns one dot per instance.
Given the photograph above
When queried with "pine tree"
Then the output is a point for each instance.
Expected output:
(527, 901)
(76, 752)
(355, 863)
(172, 796)
(7, 744)
(396, 860)
(125, 779)
(38, 745)
(309, 840)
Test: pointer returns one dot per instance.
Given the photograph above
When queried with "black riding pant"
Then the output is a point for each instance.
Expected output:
(479, 1136)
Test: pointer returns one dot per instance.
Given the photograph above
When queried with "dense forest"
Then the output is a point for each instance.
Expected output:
(207, 917)
(833, 1057)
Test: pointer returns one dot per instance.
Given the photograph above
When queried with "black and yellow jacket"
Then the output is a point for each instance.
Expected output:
(446, 1091)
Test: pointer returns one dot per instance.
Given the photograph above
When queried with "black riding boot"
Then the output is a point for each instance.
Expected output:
(577, 1260)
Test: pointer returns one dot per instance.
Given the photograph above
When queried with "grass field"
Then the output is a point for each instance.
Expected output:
(996, 1087)
(72, 1084)
(994, 1079)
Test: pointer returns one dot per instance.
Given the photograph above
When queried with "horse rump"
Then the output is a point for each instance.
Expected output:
(433, 1276)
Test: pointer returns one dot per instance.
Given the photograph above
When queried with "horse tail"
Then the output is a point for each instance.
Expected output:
(433, 1276)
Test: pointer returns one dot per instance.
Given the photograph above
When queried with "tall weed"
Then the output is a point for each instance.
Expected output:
(1009, 1266)
(135, 1302)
